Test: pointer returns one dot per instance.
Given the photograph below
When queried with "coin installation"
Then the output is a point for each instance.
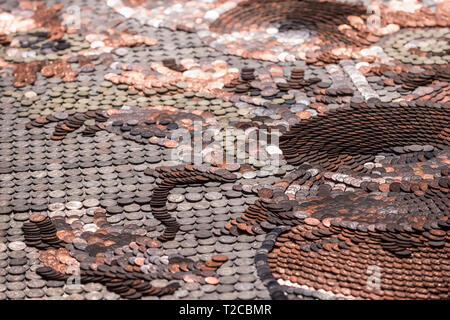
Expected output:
(224, 150)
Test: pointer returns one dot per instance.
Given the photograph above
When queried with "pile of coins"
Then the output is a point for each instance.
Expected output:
(427, 82)
(273, 205)
(411, 78)
(38, 39)
(425, 46)
(215, 262)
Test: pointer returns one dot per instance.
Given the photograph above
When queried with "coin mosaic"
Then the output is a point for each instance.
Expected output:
(231, 149)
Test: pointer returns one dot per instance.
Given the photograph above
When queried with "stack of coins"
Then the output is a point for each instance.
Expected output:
(215, 262)
(74, 122)
(295, 82)
(40, 232)
(172, 64)
(248, 74)
(411, 80)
